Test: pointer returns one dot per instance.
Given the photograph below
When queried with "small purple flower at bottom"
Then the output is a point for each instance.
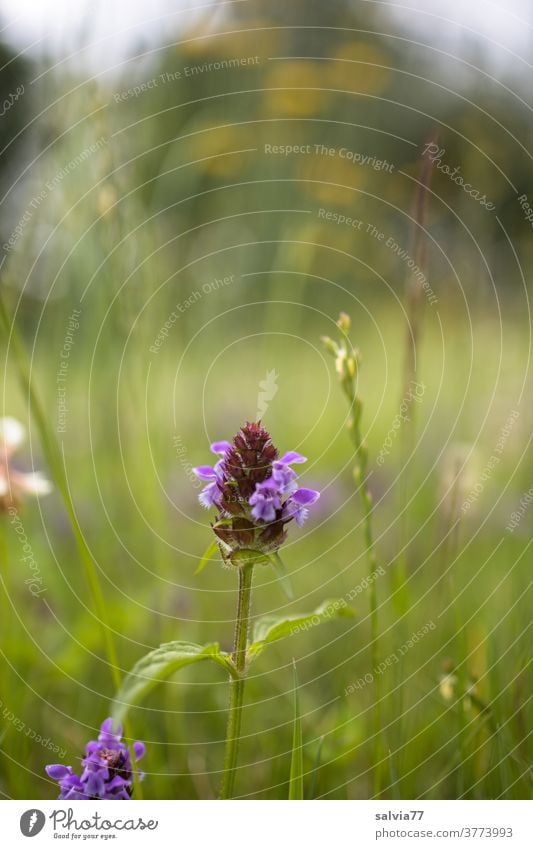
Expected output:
(107, 771)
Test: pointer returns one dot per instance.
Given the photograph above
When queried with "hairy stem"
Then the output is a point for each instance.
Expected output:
(236, 693)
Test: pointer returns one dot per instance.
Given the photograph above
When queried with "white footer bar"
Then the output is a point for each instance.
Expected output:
(268, 825)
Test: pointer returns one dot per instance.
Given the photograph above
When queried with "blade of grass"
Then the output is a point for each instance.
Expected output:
(282, 574)
(296, 781)
(208, 554)
(414, 300)
(347, 363)
(316, 769)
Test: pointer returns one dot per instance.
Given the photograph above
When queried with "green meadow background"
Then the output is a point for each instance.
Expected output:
(161, 209)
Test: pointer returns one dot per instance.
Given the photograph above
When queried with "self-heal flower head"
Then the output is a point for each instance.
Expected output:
(107, 771)
(14, 485)
(254, 491)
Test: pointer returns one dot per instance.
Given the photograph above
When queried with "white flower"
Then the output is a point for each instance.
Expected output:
(447, 686)
(14, 484)
(12, 435)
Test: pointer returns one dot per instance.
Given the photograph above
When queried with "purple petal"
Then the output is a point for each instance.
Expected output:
(205, 473)
(73, 795)
(123, 794)
(300, 516)
(58, 771)
(304, 496)
(264, 511)
(209, 495)
(94, 786)
(116, 783)
(296, 512)
(220, 447)
(138, 750)
(109, 730)
(293, 457)
(284, 477)
(267, 486)
(107, 727)
(72, 782)
(264, 502)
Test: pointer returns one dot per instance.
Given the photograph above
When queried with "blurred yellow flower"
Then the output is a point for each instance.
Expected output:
(331, 179)
(107, 197)
(357, 66)
(259, 38)
(296, 88)
(447, 686)
(214, 146)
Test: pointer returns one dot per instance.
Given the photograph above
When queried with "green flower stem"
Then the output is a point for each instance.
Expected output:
(236, 694)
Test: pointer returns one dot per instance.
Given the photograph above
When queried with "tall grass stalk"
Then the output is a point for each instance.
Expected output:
(450, 550)
(415, 303)
(347, 363)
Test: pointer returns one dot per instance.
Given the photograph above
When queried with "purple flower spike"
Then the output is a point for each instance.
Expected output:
(255, 493)
(107, 771)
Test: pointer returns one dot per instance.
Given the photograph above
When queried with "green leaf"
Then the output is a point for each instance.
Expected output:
(316, 769)
(268, 629)
(393, 778)
(283, 575)
(158, 665)
(208, 554)
(296, 780)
